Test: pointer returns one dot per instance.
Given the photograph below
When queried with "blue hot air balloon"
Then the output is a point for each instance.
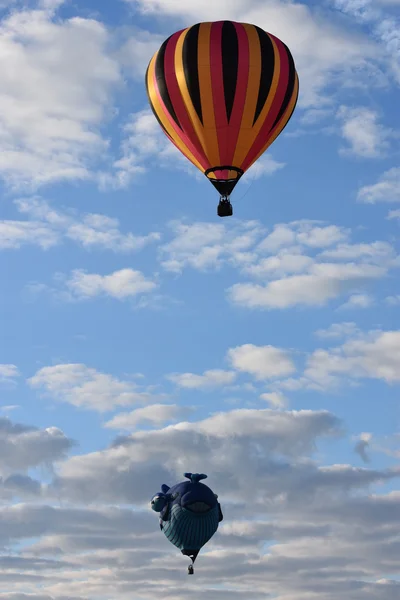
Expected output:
(189, 514)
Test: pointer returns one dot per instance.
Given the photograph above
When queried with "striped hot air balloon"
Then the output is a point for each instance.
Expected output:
(222, 92)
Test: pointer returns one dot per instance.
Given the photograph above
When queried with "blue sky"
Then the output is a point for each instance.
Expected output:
(142, 336)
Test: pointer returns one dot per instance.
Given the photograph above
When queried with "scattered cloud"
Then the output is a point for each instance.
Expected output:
(300, 278)
(87, 388)
(256, 459)
(357, 301)
(51, 110)
(324, 282)
(24, 447)
(375, 252)
(299, 263)
(394, 214)
(155, 415)
(275, 399)
(265, 165)
(8, 373)
(375, 355)
(137, 51)
(207, 246)
(310, 234)
(365, 136)
(48, 227)
(387, 189)
(385, 26)
(338, 330)
(262, 362)
(144, 145)
(393, 300)
(209, 379)
(122, 284)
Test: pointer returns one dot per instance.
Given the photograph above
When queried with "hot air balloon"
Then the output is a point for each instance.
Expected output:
(222, 92)
(189, 514)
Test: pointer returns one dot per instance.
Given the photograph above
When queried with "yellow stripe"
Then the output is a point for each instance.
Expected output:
(283, 121)
(164, 119)
(180, 75)
(244, 147)
(210, 139)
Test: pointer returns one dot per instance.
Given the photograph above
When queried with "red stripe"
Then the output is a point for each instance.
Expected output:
(265, 131)
(217, 84)
(177, 130)
(189, 134)
(240, 93)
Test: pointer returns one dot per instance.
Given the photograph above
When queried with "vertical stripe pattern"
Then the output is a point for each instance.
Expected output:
(188, 530)
(222, 92)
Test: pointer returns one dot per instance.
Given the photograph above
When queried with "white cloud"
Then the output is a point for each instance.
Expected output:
(265, 165)
(374, 356)
(135, 54)
(375, 252)
(338, 330)
(144, 145)
(223, 441)
(255, 459)
(275, 399)
(296, 272)
(357, 301)
(262, 362)
(394, 214)
(305, 233)
(283, 263)
(155, 414)
(8, 373)
(122, 284)
(55, 90)
(209, 379)
(323, 282)
(84, 387)
(24, 447)
(205, 246)
(393, 300)
(385, 27)
(14, 234)
(387, 189)
(361, 130)
(48, 227)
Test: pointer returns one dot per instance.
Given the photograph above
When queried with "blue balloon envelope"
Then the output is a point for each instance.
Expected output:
(189, 514)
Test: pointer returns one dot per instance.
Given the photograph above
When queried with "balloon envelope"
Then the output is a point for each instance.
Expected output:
(222, 92)
(189, 513)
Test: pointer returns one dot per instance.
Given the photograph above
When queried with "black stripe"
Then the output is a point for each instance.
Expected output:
(150, 102)
(290, 87)
(267, 70)
(190, 56)
(161, 82)
(230, 61)
(294, 106)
